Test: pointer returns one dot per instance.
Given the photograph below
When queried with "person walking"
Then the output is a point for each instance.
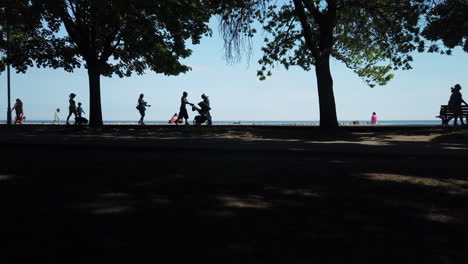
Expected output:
(183, 114)
(142, 108)
(374, 118)
(455, 102)
(18, 107)
(71, 107)
(56, 116)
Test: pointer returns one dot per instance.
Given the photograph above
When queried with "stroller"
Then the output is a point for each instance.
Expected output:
(202, 116)
(81, 121)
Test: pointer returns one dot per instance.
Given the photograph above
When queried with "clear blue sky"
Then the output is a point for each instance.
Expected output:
(237, 94)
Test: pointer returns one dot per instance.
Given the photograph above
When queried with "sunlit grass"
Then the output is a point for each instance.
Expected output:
(253, 202)
(6, 177)
(453, 186)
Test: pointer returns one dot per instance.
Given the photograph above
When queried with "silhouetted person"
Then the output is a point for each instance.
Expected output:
(71, 107)
(18, 107)
(56, 116)
(142, 108)
(183, 114)
(79, 110)
(374, 118)
(455, 102)
(174, 119)
(205, 108)
(79, 120)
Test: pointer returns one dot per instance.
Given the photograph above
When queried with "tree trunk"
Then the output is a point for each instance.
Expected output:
(95, 112)
(328, 118)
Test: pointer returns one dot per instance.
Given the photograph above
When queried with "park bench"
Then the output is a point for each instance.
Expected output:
(446, 113)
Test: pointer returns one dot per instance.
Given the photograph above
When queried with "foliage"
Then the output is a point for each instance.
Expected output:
(109, 37)
(370, 37)
(19, 22)
(448, 21)
(122, 36)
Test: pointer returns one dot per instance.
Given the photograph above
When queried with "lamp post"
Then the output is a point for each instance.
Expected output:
(6, 13)
(8, 70)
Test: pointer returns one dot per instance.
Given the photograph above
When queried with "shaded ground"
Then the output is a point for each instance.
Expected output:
(233, 195)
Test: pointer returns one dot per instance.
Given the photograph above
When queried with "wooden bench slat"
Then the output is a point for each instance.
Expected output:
(446, 113)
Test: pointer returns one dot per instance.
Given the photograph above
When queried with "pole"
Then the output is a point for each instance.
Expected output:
(9, 95)
(8, 71)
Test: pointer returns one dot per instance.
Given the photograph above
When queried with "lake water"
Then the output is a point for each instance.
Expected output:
(250, 122)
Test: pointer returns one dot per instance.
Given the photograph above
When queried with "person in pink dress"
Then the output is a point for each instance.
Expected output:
(374, 118)
(174, 119)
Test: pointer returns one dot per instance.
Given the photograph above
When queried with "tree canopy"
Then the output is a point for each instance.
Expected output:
(116, 37)
(447, 21)
(138, 35)
(19, 35)
(370, 37)
(122, 37)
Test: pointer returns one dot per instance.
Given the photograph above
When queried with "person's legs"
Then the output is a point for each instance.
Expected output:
(142, 114)
(459, 114)
(70, 112)
(184, 115)
(446, 121)
(208, 116)
(75, 115)
(456, 116)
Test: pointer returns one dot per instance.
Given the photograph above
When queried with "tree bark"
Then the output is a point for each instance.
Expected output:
(321, 53)
(95, 112)
(328, 119)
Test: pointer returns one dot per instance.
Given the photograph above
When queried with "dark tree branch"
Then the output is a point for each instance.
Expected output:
(306, 28)
(312, 8)
(109, 48)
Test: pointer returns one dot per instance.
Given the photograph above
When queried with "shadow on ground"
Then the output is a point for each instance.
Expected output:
(236, 202)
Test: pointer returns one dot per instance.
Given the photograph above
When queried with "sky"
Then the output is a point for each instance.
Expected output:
(237, 94)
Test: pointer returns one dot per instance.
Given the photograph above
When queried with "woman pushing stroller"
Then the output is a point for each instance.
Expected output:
(183, 114)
